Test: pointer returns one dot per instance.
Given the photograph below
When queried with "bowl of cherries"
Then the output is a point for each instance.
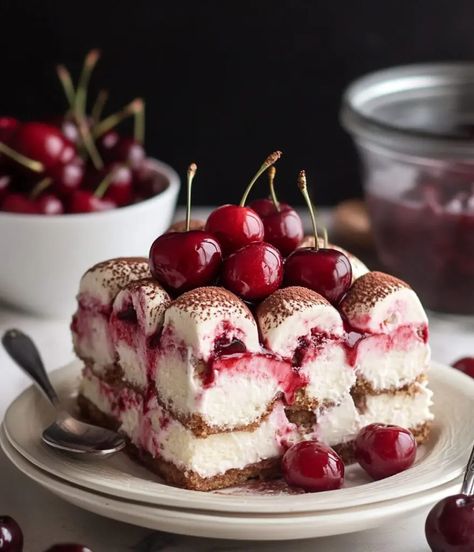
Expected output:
(75, 190)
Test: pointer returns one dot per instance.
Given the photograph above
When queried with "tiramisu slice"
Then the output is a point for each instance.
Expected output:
(210, 358)
(97, 290)
(388, 338)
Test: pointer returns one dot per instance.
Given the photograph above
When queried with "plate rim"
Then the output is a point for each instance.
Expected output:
(233, 521)
(167, 495)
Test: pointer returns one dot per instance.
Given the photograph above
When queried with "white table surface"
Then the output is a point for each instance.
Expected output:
(46, 519)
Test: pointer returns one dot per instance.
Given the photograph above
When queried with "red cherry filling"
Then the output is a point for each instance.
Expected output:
(384, 450)
(465, 365)
(313, 466)
(11, 536)
(449, 526)
(326, 271)
(253, 272)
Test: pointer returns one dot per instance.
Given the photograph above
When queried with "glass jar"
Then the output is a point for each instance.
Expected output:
(414, 129)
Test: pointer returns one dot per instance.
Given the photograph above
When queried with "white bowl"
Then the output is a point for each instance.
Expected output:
(43, 257)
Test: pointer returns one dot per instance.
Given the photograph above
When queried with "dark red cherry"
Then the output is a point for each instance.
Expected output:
(449, 526)
(83, 201)
(11, 536)
(384, 450)
(18, 203)
(106, 143)
(147, 182)
(313, 466)
(8, 125)
(67, 177)
(68, 547)
(5, 185)
(283, 228)
(235, 226)
(117, 179)
(185, 260)
(326, 271)
(465, 365)
(253, 272)
(67, 126)
(49, 204)
(43, 143)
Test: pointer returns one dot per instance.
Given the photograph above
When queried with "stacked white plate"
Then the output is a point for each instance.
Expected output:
(121, 489)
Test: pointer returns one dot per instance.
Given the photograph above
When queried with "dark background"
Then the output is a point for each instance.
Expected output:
(225, 83)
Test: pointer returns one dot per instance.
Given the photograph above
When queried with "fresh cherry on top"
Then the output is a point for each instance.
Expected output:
(254, 271)
(237, 225)
(324, 270)
(282, 224)
(185, 260)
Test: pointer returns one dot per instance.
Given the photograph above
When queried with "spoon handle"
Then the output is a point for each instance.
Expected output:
(468, 482)
(24, 352)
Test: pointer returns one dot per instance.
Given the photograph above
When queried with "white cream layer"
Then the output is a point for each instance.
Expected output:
(235, 398)
(337, 424)
(329, 375)
(386, 363)
(94, 342)
(400, 409)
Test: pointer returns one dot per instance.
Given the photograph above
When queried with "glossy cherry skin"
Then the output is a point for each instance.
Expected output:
(67, 177)
(49, 204)
(185, 260)
(313, 466)
(68, 547)
(11, 536)
(43, 143)
(283, 228)
(325, 271)
(8, 125)
(465, 365)
(253, 272)
(449, 526)
(235, 227)
(18, 203)
(83, 201)
(120, 189)
(106, 143)
(384, 450)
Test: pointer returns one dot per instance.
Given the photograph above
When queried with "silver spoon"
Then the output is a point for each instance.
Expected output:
(66, 433)
(467, 487)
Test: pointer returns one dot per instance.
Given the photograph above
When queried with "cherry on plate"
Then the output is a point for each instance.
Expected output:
(11, 536)
(383, 450)
(465, 365)
(449, 526)
(253, 272)
(313, 466)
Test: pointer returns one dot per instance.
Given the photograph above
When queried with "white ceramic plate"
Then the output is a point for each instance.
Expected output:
(228, 525)
(440, 461)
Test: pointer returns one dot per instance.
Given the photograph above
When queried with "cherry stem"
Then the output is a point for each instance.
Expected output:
(302, 185)
(325, 237)
(31, 164)
(66, 81)
(81, 95)
(269, 161)
(88, 142)
(99, 105)
(40, 187)
(139, 124)
(105, 183)
(271, 178)
(191, 174)
(113, 120)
